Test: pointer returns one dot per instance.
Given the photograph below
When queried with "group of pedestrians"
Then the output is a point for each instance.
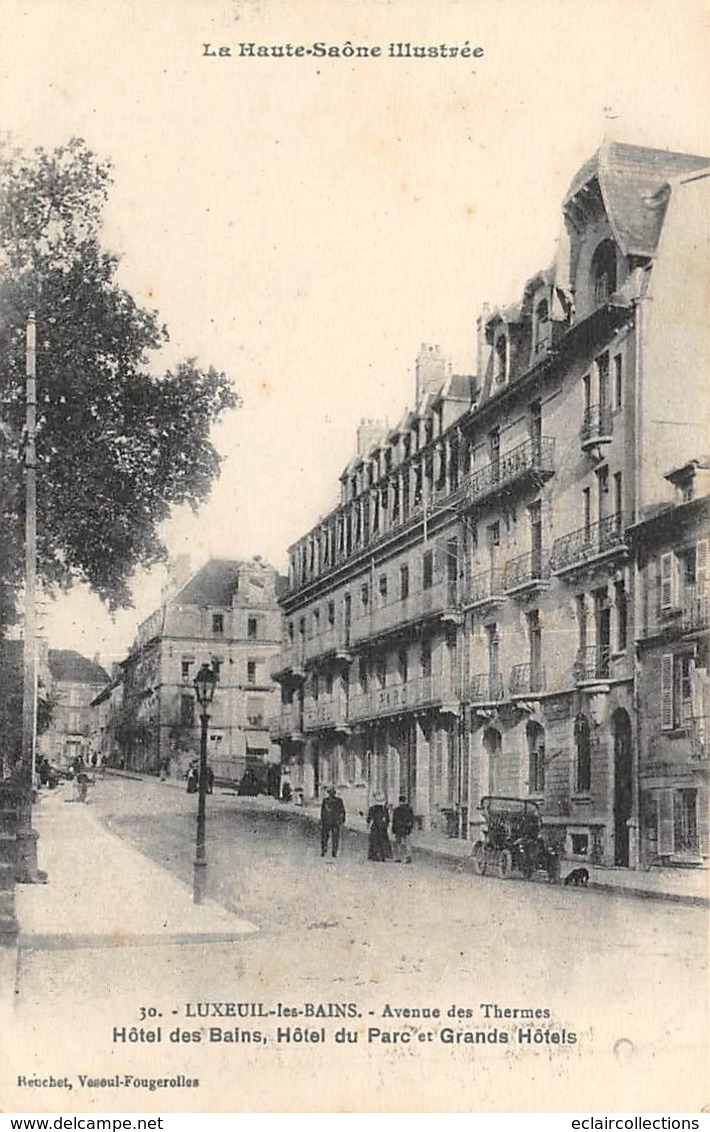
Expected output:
(379, 824)
(193, 778)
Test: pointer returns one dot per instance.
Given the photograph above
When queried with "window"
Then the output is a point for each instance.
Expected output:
(536, 759)
(404, 582)
(542, 325)
(290, 631)
(382, 584)
(622, 617)
(186, 669)
(403, 665)
(604, 271)
(501, 358)
(587, 508)
(580, 844)
(581, 605)
(316, 622)
(618, 381)
(363, 674)
(427, 569)
(329, 683)
(251, 672)
(255, 711)
(331, 613)
(426, 658)
(583, 760)
(677, 678)
(252, 628)
(302, 630)
(365, 595)
(217, 622)
(187, 711)
(618, 498)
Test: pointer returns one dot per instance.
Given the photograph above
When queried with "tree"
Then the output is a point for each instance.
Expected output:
(118, 446)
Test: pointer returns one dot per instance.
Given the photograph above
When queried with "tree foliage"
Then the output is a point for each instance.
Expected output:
(118, 445)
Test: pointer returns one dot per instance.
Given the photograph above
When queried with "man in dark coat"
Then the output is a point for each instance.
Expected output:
(402, 826)
(332, 819)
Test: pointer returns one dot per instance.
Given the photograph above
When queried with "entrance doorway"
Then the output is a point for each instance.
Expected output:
(493, 746)
(623, 793)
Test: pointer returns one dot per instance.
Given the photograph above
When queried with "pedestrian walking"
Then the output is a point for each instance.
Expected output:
(192, 777)
(378, 820)
(210, 779)
(402, 826)
(332, 820)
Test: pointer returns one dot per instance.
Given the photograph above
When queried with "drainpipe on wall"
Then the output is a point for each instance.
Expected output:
(638, 502)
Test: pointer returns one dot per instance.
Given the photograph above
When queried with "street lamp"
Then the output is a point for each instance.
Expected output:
(204, 684)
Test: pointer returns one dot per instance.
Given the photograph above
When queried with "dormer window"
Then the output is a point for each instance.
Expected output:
(500, 358)
(604, 271)
(542, 326)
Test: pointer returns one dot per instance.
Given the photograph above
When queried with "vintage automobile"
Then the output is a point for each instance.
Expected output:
(514, 840)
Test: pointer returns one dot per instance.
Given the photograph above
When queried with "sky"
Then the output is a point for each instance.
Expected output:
(305, 224)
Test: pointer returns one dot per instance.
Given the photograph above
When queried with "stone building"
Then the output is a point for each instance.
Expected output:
(671, 548)
(74, 682)
(225, 614)
(464, 621)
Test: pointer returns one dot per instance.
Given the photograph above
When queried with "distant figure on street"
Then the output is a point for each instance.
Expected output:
(332, 819)
(192, 777)
(378, 820)
(210, 779)
(402, 826)
(164, 767)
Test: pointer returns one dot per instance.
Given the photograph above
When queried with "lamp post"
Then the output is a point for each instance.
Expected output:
(204, 684)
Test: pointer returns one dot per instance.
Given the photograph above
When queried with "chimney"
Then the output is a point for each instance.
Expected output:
(431, 370)
(369, 433)
(482, 357)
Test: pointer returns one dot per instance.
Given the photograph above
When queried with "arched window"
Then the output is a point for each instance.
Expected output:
(604, 271)
(583, 761)
(542, 325)
(501, 357)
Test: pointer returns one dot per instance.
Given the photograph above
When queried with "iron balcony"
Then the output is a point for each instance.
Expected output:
(596, 427)
(486, 688)
(533, 461)
(394, 699)
(597, 540)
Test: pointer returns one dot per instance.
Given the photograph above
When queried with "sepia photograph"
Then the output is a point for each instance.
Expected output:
(354, 532)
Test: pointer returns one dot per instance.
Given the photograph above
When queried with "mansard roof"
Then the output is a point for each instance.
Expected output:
(69, 665)
(634, 182)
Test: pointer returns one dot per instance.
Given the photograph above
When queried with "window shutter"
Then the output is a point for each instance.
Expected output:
(667, 691)
(701, 563)
(666, 840)
(667, 573)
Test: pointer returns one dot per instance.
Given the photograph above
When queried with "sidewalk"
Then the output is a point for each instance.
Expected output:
(143, 903)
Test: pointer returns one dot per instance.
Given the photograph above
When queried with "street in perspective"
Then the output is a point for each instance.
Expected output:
(408, 808)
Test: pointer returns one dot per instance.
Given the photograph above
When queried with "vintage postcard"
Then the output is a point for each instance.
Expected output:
(371, 773)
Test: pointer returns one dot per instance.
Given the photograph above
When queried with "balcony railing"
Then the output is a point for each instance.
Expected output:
(424, 691)
(436, 599)
(328, 711)
(526, 570)
(486, 688)
(596, 426)
(587, 543)
(526, 680)
(531, 459)
(484, 588)
(329, 640)
(290, 659)
(696, 607)
(593, 663)
(287, 722)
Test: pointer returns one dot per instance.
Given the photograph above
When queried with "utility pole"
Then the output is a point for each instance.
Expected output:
(27, 871)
